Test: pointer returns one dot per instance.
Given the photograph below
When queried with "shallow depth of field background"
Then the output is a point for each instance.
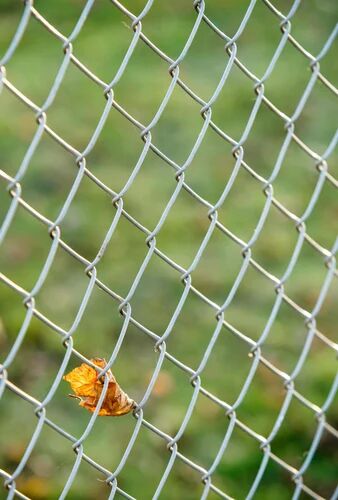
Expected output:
(74, 115)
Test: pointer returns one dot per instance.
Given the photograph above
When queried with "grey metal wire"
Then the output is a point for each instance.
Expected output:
(54, 228)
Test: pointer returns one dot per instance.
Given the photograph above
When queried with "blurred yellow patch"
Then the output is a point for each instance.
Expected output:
(87, 387)
(164, 384)
(34, 487)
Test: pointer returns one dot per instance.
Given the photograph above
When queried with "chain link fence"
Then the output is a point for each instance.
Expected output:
(170, 452)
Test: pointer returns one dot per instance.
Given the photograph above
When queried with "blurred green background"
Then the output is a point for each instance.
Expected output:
(101, 45)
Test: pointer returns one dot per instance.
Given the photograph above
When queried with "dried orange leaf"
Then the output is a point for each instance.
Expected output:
(87, 387)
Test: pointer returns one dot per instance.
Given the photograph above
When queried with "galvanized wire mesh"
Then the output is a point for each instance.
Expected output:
(255, 348)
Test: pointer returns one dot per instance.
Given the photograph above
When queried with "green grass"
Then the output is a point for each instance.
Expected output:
(74, 114)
